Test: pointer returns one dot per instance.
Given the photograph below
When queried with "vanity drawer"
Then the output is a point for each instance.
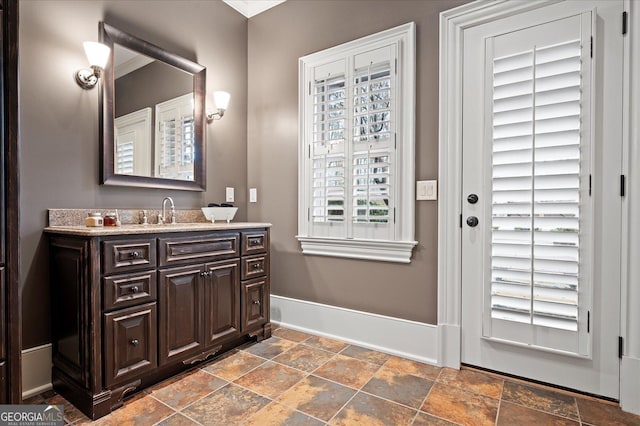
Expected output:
(255, 266)
(255, 242)
(128, 255)
(121, 291)
(130, 343)
(198, 248)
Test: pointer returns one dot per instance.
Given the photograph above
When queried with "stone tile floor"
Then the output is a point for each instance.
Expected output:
(295, 378)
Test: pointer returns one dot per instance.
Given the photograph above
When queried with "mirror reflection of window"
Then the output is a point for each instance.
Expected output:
(174, 141)
(133, 143)
(142, 85)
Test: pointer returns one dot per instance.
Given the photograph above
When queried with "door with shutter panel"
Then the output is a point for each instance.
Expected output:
(542, 140)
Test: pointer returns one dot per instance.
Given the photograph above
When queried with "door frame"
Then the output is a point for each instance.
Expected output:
(452, 25)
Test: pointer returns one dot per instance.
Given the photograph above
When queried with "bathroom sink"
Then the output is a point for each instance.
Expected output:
(219, 213)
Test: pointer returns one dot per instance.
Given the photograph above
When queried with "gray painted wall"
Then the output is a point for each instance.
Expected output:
(149, 85)
(277, 38)
(59, 120)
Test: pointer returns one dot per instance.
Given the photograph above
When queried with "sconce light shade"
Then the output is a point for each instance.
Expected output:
(98, 55)
(221, 99)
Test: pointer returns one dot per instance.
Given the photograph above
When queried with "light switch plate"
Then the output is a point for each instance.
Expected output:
(427, 190)
(253, 195)
(230, 198)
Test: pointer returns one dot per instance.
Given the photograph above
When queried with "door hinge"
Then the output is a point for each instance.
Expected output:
(394, 215)
(460, 220)
(588, 321)
(308, 214)
(591, 48)
(396, 66)
(589, 185)
(622, 185)
(309, 88)
(625, 22)
(620, 347)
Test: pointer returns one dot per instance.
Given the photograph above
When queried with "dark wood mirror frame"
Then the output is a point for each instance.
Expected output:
(110, 36)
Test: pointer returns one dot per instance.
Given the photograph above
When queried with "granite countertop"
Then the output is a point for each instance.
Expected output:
(131, 229)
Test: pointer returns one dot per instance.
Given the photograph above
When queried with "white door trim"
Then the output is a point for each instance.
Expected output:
(452, 24)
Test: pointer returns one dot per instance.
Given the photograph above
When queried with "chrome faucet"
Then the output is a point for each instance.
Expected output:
(162, 218)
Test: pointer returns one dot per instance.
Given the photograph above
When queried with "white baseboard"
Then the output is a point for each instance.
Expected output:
(629, 375)
(36, 370)
(396, 336)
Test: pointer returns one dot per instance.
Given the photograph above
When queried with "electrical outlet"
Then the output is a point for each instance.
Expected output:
(253, 195)
(230, 195)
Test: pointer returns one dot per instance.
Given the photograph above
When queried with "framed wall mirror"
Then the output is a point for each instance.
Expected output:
(152, 116)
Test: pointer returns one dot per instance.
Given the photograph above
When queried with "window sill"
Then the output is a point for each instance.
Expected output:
(387, 251)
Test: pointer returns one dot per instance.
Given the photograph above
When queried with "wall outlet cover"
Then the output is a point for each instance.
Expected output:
(230, 195)
(427, 190)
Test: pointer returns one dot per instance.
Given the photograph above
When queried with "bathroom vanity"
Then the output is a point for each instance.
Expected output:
(133, 305)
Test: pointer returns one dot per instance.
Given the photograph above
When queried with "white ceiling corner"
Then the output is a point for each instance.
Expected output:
(251, 8)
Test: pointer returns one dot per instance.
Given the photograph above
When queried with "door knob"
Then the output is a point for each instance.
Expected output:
(472, 221)
(472, 198)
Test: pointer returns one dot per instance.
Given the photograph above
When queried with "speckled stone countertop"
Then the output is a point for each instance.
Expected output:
(71, 222)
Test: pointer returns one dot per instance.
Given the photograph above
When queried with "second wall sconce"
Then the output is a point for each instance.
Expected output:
(221, 99)
(98, 55)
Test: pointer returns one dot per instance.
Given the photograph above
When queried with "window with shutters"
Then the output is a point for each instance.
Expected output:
(133, 143)
(175, 138)
(356, 149)
(540, 184)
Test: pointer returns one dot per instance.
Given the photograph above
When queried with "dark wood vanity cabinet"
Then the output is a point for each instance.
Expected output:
(130, 310)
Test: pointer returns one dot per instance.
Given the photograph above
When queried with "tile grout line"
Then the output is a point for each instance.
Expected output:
(426, 397)
(356, 392)
(499, 403)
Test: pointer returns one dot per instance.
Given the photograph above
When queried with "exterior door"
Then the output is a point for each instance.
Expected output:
(542, 146)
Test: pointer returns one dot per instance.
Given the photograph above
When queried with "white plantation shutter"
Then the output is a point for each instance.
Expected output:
(132, 153)
(537, 187)
(373, 156)
(356, 156)
(175, 138)
(328, 156)
(355, 105)
(124, 157)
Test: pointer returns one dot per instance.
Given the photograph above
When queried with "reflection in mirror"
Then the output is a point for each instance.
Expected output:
(150, 94)
(152, 117)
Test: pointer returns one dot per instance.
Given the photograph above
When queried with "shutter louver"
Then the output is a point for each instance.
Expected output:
(536, 186)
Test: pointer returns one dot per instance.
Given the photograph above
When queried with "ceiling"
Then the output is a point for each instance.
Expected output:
(251, 8)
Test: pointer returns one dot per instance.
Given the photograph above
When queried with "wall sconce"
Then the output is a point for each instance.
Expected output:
(221, 99)
(98, 55)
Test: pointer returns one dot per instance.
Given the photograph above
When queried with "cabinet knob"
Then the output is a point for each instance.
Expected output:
(134, 342)
(135, 254)
(254, 242)
(256, 302)
(256, 265)
(205, 274)
(135, 289)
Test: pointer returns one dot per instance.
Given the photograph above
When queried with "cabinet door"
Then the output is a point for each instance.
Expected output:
(130, 342)
(180, 332)
(255, 303)
(222, 302)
